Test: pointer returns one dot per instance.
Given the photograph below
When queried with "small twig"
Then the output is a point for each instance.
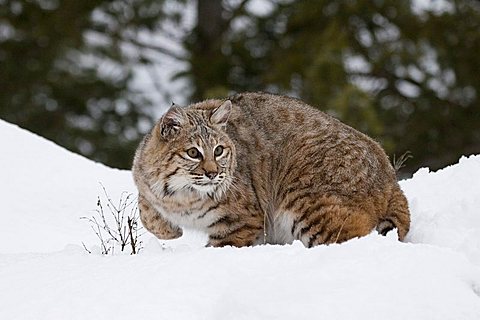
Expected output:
(85, 247)
(400, 162)
(264, 228)
(130, 232)
(341, 228)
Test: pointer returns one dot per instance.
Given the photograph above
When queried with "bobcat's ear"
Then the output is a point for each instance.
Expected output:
(171, 122)
(220, 115)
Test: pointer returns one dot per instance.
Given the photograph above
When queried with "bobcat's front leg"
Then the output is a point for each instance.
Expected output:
(153, 221)
(231, 231)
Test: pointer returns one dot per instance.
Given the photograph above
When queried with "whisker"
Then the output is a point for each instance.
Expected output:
(195, 175)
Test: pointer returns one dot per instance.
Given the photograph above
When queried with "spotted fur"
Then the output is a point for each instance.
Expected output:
(287, 171)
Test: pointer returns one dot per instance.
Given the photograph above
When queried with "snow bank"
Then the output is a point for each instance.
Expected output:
(445, 207)
(45, 189)
(368, 278)
(46, 274)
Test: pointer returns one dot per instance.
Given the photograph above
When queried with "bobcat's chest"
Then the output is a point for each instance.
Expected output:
(194, 216)
(279, 229)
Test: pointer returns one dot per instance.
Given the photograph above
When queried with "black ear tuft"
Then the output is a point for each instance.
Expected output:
(171, 122)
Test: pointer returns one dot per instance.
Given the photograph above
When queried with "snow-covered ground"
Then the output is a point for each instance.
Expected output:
(46, 274)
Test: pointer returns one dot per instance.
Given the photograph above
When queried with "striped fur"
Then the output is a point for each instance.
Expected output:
(287, 171)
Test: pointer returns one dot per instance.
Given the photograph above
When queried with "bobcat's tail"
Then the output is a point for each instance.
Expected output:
(397, 215)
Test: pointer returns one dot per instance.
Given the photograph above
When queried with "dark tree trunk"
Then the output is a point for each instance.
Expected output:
(208, 65)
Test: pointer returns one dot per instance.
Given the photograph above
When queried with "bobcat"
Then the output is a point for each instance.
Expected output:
(262, 168)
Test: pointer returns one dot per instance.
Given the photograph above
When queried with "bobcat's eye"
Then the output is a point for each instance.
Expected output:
(218, 151)
(194, 153)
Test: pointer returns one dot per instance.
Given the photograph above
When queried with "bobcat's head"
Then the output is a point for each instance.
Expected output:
(190, 151)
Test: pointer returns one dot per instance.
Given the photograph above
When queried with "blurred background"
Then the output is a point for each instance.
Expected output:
(93, 76)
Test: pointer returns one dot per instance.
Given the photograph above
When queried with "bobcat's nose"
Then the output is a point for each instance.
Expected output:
(211, 174)
(210, 168)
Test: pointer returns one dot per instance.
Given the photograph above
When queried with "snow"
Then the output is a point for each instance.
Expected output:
(44, 191)
(46, 274)
(445, 207)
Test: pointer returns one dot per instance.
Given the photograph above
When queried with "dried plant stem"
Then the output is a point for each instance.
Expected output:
(125, 230)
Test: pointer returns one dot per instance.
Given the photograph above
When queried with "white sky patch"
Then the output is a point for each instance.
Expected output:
(260, 8)
(415, 73)
(356, 63)
(408, 89)
(436, 6)
(388, 32)
(6, 31)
